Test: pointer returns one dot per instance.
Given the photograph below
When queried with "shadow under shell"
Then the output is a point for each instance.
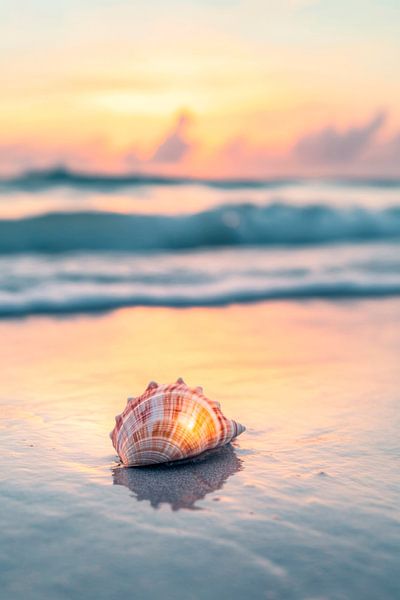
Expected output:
(180, 483)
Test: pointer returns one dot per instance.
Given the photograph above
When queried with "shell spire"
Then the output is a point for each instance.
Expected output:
(170, 422)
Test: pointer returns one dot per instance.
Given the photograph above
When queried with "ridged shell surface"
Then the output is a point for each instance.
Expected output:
(170, 422)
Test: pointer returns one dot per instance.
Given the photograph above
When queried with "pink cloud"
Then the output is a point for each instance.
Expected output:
(354, 151)
(176, 145)
(333, 146)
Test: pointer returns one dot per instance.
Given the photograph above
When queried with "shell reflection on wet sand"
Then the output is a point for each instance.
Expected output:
(182, 483)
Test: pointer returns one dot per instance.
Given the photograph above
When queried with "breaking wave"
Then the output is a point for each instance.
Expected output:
(275, 224)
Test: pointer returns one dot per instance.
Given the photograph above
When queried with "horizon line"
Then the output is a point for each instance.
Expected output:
(62, 175)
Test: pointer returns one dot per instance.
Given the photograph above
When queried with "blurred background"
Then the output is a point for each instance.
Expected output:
(221, 88)
(195, 139)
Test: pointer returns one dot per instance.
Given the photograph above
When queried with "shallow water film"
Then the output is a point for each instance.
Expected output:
(304, 505)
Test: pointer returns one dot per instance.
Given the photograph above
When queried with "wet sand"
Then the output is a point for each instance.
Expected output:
(304, 505)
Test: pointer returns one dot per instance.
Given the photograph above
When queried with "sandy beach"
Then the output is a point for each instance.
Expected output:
(304, 505)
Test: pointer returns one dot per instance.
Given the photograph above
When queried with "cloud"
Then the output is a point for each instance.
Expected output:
(331, 146)
(175, 146)
(384, 158)
(356, 151)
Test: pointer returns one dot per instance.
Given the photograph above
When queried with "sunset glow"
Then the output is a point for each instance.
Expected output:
(266, 86)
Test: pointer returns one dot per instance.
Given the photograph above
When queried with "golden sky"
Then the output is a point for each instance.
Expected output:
(201, 87)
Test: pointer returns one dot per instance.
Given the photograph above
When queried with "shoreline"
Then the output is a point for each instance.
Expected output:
(339, 300)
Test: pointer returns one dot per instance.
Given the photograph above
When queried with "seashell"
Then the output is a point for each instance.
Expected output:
(168, 423)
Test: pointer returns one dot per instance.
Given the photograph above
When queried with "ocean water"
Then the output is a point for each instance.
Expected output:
(74, 243)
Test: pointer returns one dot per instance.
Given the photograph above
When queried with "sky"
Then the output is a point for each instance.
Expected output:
(223, 88)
